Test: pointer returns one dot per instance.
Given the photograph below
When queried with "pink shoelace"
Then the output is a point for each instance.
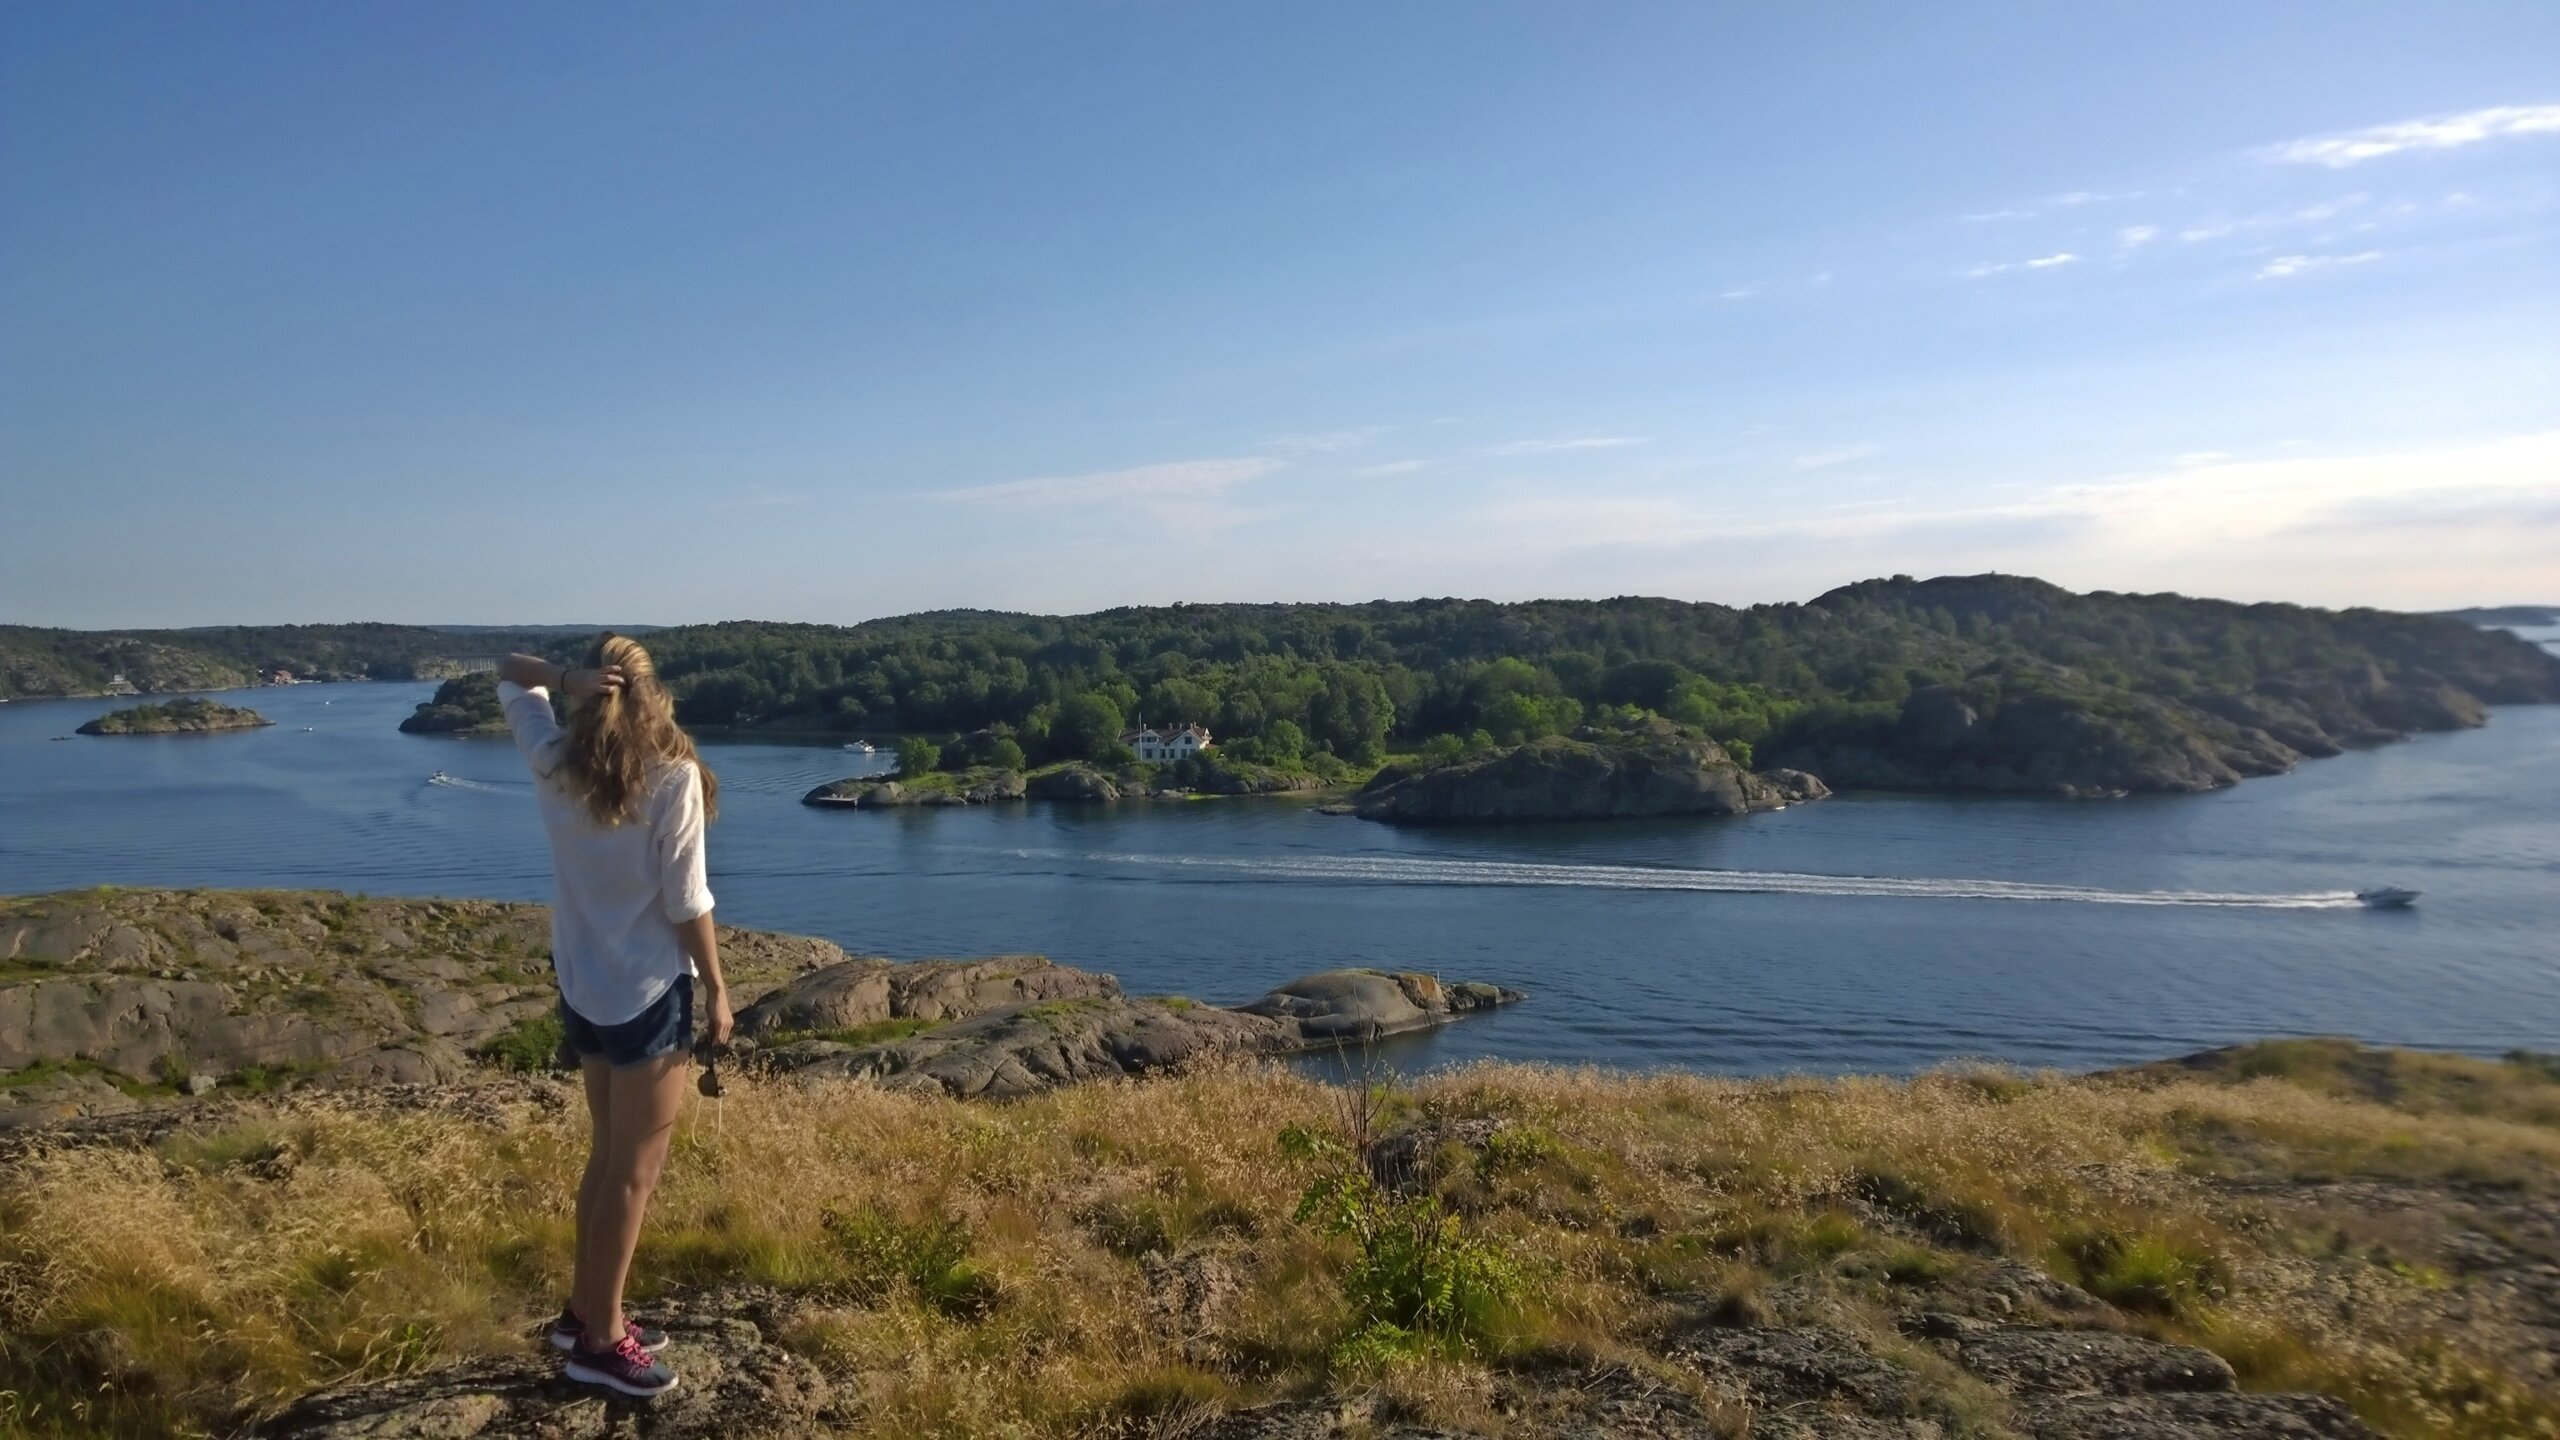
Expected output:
(627, 1350)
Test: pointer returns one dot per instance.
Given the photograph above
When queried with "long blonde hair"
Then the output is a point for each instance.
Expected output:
(619, 740)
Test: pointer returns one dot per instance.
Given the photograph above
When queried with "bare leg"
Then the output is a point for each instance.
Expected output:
(598, 1077)
(641, 1107)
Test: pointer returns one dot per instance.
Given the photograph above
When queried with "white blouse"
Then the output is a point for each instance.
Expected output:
(618, 891)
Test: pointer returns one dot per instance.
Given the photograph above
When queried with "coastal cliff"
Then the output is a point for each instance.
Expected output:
(175, 717)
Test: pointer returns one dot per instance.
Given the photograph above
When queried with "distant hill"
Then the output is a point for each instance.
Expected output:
(1965, 682)
(2536, 615)
(36, 661)
(1995, 682)
(553, 631)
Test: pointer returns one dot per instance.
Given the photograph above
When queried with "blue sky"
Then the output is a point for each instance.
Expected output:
(494, 312)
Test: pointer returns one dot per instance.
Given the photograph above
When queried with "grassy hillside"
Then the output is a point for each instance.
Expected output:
(1973, 1253)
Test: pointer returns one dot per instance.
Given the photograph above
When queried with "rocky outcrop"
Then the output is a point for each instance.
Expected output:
(114, 1002)
(1020, 1049)
(2060, 1384)
(1794, 787)
(1077, 782)
(866, 992)
(972, 787)
(737, 1382)
(122, 999)
(177, 717)
(1220, 776)
(1364, 1005)
(1652, 768)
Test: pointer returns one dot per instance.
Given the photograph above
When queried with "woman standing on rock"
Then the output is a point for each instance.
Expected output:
(624, 799)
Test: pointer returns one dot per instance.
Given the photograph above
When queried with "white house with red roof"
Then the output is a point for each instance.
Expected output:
(1162, 743)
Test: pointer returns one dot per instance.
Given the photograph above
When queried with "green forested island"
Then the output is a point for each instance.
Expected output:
(463, 705)
(1974, 682)
(178, 717)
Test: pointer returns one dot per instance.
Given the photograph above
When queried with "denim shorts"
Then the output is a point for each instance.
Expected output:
(665, 1028)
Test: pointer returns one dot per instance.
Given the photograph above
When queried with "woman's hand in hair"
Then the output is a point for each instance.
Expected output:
(588, 684)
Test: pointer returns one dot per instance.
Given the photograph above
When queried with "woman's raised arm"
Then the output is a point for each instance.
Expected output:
(535, 673)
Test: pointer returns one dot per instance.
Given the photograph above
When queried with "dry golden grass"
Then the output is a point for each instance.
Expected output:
(986, 1269)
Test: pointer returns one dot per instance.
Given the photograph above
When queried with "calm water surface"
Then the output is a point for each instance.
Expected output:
(1867, 933)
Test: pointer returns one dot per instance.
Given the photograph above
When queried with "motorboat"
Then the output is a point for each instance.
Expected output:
(860, 747)
(438, 778)
(2387, 897)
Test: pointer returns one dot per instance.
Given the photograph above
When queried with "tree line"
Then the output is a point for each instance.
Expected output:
(1322, 685)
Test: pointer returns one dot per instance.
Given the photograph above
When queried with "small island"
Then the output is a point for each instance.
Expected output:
(464, 705)
(1625, 767)
(178, 717)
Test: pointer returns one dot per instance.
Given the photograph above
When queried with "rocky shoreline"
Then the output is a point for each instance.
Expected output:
(119, 1001)
(1013, 1026)
(1075, 782)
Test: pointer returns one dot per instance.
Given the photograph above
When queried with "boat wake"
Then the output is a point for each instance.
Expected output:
(1408, 870)
(453, 782)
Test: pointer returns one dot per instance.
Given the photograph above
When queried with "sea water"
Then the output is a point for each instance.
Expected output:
(1880, 933)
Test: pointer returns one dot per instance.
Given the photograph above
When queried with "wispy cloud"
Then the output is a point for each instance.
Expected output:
(1740, 292)
(2134, 237)
(1825, 459)
(2042, 262)
(2200, 457)
(1586, 442)
(1393, 467)
(2440, 132)
(2068, 199)
(1177, 479)
(1323, 442)
(2218, 226)
(2285, 266)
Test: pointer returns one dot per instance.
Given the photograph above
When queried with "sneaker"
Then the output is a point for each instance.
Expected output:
(568, 1329)
(625, 1367)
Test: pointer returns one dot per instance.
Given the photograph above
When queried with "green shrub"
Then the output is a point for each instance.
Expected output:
(530, 1046)
(928, 1259)
(1419, 1283)
(2148, 1272)
(876, 1032)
